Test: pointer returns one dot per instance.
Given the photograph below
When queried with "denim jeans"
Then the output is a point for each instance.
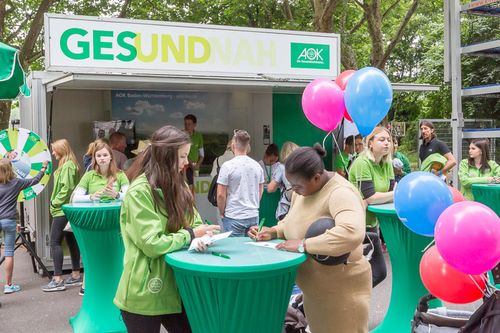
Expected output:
(237, 226)
(9, 236)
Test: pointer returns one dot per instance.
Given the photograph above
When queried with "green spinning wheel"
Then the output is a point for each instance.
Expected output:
(27, 151)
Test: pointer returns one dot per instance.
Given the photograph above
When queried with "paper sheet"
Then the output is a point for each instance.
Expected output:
(270, 245)
(208, 239)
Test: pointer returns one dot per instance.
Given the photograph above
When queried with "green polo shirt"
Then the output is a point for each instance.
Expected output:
(363, 169)
(196, 144)
(341, 161)
(93, 182)
(65, 180)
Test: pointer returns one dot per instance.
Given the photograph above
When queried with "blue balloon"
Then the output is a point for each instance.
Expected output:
(419, 199)
(368, 98)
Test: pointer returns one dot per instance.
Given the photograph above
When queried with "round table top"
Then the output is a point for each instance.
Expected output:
(492, 187)
(84, 206)
(387, 208)
(243, 258)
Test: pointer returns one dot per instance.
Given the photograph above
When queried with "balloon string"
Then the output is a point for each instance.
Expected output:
(428, 246)
(484, 292)
(324, 139)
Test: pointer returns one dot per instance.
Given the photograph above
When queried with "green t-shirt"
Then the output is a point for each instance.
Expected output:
(93, 182)
(363, 169)
(406, 162)
(196, 144)
(341, 161)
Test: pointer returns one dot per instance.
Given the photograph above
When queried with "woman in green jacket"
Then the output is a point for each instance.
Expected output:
(478, 168)
(157, 217)
(65, 180)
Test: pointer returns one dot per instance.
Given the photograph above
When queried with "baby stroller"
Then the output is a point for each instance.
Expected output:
(439, 320)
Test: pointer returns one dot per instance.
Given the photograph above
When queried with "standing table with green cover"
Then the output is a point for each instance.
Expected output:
(97, 230)
(405, 250)
(248, 293)
(488, 194)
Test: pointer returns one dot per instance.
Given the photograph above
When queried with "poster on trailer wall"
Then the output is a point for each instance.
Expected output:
(154, 109)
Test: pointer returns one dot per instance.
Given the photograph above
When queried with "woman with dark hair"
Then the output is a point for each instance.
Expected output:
(434, 154)
(336, 297)
(157, 217)
(478, 168)
(399, 155)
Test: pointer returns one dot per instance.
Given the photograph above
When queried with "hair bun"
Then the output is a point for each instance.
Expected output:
(320, 150)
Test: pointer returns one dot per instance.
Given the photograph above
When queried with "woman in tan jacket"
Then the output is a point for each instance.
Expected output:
(336, 297)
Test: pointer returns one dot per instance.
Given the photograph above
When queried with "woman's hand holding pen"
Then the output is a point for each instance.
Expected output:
(265, 233)
(97, 195)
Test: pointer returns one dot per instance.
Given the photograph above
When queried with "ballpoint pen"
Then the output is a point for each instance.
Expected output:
(261, 224)
(222, 255)
(208, 222)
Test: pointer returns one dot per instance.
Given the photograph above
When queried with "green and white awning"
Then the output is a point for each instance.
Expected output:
(12, 76)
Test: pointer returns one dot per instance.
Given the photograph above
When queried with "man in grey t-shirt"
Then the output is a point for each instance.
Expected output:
(239, 189)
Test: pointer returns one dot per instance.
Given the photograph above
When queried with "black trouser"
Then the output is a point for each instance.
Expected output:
(56, 236)
(377, 262)
(173, 323)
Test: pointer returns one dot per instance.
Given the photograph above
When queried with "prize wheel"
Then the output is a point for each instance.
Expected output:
(27, 152)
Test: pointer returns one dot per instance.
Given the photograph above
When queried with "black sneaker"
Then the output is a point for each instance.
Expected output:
(81, 292)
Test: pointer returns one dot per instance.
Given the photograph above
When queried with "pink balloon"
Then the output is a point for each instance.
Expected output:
(467, 236)
(343, 77)
(323, 104)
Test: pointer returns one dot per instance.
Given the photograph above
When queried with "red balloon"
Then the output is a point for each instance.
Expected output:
(343, 77)
(457, 196)
(447, 283)
(347, 116)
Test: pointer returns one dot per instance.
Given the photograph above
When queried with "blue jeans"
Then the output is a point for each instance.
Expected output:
(9, 236)
(239, 227)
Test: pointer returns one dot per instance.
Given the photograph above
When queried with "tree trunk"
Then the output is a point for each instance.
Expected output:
(28, 47)
(4, 114)
(323, 14)
(3, 4)
(374, 20)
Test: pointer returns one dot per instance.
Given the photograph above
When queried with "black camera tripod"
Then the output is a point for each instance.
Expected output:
(24, 239)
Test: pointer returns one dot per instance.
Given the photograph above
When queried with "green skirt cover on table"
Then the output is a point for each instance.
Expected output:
(248, 293)
(97, 231)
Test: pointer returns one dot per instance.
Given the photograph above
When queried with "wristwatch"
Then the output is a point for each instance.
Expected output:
(301, 247)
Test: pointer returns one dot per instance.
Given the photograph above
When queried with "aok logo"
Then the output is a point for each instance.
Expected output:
(3, 136)
(310, 55)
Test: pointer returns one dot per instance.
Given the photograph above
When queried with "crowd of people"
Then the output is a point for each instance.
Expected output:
(159, 216)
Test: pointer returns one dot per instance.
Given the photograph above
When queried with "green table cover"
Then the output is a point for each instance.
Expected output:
(488, 194)
(405, 250)
(248, 293)
(267, 209)
(97, 230)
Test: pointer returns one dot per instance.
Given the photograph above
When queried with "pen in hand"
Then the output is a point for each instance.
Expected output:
(261, 224)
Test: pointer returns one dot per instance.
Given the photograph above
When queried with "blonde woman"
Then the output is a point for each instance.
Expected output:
(372, 172)
(65, 180)
(87, 158)
(105, 181)
(279, 181)
(10, 187)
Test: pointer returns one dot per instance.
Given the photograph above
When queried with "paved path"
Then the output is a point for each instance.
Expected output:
(33, 310)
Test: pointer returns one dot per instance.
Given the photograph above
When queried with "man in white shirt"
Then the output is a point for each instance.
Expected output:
(239, 189)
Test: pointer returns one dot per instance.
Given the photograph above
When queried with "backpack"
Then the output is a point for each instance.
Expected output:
(212, 190)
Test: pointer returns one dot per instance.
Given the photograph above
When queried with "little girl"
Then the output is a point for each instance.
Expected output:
(10, 187)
